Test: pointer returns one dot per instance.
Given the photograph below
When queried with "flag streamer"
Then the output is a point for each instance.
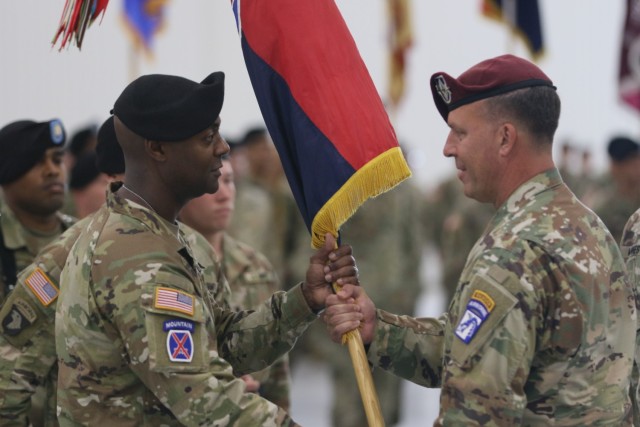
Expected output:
(523, 17)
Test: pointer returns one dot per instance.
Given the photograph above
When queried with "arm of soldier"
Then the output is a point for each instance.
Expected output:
(630, 246)
(408, 347)
(27, 345)
(174, 354)
(250, 341)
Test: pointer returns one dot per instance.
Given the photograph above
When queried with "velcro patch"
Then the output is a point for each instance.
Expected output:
(180, 346)
(42, 287)
(478, 309)
(15, 321)
(174, 300)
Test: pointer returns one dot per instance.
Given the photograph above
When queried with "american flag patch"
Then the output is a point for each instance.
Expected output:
(174, 300)
(42, 287)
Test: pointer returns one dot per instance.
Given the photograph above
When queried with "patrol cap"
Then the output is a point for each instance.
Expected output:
(109, 155)
(170, 108)
(23, 143)
(486, 79)
(622, 148)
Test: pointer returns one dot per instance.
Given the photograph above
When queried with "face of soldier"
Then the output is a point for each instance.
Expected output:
(473, 142)
(41, 190)
(211, 213)
(192, 166)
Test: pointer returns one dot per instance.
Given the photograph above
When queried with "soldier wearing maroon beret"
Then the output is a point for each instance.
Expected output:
(542, 325)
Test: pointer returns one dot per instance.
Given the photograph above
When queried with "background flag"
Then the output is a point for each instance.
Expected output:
(144, 18)
(400, 39)
(333, 135)
(523, 17)
(77, 15)
(630, 56)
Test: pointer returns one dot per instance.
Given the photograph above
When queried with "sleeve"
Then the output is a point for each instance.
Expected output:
(173, 351)
(27, 347)
(409, 347)
(504, 320)
(276, 387)
(252, 340)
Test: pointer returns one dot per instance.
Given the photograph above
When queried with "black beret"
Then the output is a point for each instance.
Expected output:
(80, 140)
(23, 143)
(622, 148)
(109, 155)
(170, 108)
(84, 171)
(489, 78)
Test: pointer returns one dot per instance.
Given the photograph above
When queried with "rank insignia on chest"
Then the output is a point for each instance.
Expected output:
(478, 309)
(42, 287)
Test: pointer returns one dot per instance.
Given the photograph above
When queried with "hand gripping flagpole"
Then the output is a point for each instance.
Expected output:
(370, 401)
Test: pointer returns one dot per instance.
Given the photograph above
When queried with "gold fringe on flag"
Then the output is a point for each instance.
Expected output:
(376, 177)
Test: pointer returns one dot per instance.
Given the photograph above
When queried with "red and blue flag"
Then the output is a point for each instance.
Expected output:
(332, 132)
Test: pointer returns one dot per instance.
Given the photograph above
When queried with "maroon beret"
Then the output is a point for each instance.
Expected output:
(489, 78)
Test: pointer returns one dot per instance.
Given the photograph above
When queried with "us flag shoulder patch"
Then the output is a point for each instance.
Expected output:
(42, 287)
(174, 300)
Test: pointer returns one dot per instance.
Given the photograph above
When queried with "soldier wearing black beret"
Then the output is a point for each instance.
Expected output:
(32, 178)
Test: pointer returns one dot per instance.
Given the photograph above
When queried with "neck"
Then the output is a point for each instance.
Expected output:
(151, 199)
(519, 173)
(216, 239)
(41, 223)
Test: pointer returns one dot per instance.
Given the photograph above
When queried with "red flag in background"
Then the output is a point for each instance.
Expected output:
(144, 18)
(629, 83)
(400, 40)
(523, 17)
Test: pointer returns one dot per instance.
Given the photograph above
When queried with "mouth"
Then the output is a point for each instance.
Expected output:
(55, 188)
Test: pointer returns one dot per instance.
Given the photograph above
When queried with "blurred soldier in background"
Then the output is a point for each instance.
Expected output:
(618, 200)
(87, 185)
(32, 178)
(250, 275)
(266, 215)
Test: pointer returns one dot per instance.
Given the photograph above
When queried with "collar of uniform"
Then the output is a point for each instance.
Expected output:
(11, 228)
(143, 214)
(529, 191)
(234, 260)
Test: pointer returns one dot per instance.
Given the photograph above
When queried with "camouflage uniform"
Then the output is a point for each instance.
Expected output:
(541, 330)
(27, 340)
(252, 281)
(630, 246)
(24, 244)
(140, 341)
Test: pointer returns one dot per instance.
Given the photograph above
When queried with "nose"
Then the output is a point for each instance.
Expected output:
(222, 148)
(52, 167)
(449, 147)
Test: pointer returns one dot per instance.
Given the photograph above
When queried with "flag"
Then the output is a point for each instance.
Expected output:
(400, 40)
(144, 18)
(523, 17)
(77, 15)
(629, 82)
(322, 110)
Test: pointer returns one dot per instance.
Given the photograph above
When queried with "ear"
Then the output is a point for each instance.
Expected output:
(156, 150)
(508, 136)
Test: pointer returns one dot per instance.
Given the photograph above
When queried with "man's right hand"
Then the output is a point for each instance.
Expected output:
(349, 309)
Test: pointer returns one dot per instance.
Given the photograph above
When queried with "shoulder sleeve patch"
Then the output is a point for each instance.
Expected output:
(42, 287)
(174, 300)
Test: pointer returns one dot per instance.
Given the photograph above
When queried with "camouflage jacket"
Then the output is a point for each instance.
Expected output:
(252, 281)
(140, 341)
(542, 325)
(23, 244)
(27, 341)
(630, 245)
